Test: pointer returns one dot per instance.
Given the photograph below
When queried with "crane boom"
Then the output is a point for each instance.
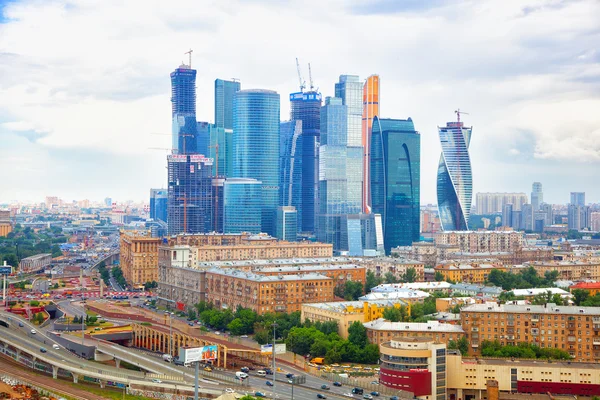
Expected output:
(310, 78)
(302, 82)
(458, 112)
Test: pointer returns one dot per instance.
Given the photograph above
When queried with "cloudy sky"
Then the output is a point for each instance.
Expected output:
(85, 84)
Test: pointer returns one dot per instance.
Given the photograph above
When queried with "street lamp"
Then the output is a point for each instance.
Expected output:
(170, 329)
(275, 325)
(83, 320)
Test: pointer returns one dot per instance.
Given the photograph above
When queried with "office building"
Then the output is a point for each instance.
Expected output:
(220, 149)
(189, 194)
(108, 202)
(482, 241)
(517, 220)
(287, 223)
(362, 235)
(570, 328)
(370, 111)
(202, 137)
(493, 203)
(218, 191)
(256, 147)
(454, 178)
(537, 195)
(290, 166)
(139, 257)
(183, 106)
(507, 215)
(350, 90)
(5, 223)
(306, 107)
(158, 204)
(395, 180)
(527, 215)
(578, 198)
(224, 92)
(578, 217)
(242, 205)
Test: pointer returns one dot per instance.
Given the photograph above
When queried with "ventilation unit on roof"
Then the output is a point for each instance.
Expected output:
(429, 327)
(581, 310)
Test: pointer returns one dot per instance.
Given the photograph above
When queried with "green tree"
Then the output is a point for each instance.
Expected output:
(371, 281)
(389, 277)
(352, 290)
(580, 296)
(247, 397)
(11, 259)
(439, 277)
(410, 275)
(369, 354)
(392, 314)
(236, 327)
(262, 337)
(462, 345)
(357, 334)
(191, 314)
(34, 303)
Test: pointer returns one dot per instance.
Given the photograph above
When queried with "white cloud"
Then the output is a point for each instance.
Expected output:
(94, 75)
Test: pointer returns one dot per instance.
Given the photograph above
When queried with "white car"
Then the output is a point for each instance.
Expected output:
(55, 346)
(33, 331)
(349, 395)
(229, 390)
(156, 381)
(217, 333)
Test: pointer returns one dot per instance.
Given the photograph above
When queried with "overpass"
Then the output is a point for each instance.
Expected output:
(109, 259)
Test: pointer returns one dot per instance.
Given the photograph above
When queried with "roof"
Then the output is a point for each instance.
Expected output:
(275, 262)
(381, 324)
(300, 268)
(398, 294)
(586, 285)
(393, 287)
(549, 308)
(342, 306)
(266, 278)
(37, 256)
(477, 288)
(536, 291)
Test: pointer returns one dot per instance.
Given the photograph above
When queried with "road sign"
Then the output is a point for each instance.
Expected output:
(5, 270)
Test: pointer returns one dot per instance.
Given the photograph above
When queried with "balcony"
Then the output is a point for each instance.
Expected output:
(596, 327)
(571, 339)
(510, 337)
(474, 329)
(475, 344)
(596, 341)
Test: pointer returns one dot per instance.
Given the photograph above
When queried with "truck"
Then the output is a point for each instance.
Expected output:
(318, 360)
(167, 357)
(241, 375)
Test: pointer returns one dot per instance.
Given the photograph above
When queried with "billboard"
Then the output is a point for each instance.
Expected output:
(194, 354)
(268, 348)
(177, 158)
(5, 270)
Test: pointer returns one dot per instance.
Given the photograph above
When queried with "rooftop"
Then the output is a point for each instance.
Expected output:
(236, 273)
(536, 291)
(381, 324)
(531, 363)
(322, 267)
(36, 257)
(549, 308)
(477, 288)
(342, 306)
(586, 285)
(394, 287)
(398, 294)
(275, 262)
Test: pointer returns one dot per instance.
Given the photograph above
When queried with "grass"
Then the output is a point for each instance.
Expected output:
(108, 392)
(91, 313)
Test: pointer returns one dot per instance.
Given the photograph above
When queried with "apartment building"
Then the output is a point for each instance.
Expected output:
(569, 270)
(227, 288)
(345, 313)
(381, 266)
(139, 257)
(339, 273)
(481, 241)
(593, 288)
(473, 272)
(5, 223)
(569, 328)
(381, 330)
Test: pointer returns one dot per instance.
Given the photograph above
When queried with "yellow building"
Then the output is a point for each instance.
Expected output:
(5, 225)
(139, 257)
(473, 272)
(347, 312)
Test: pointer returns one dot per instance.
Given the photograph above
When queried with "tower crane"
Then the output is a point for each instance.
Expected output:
(310, 78)
(302, 82)
(189, 53)
(458, 112)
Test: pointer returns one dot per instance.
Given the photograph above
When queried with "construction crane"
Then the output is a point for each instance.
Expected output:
(189, 53)
(310, 78)
(458, 112)
(170, 134)
(216, 207)
(302, 82)
(185, 201)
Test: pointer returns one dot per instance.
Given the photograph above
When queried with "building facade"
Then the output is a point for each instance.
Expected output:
(158, 204)
(578, 199)
(577, 270)
(481, 241)
(290, 167)
(256, 146)
(370, 111)
(5, 223)
(139, 257)
(454, 177)
(380, 331)
(242, 205)
(340, 273)
(183, 107)
(35, 263)
(537, 195)
(395, 157)
(224, 92)
(493, 203)
(473, 272)
(287, 224)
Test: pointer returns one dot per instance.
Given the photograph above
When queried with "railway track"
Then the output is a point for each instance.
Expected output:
(16, 370)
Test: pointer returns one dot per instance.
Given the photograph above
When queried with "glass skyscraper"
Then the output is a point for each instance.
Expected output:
(224, 139)
(290, 166)
(306, 107)
(256, 146)
(454, 177)
(395, 180)
(370, 111)
(287, 224)
(158, 204)
(242, 208)
(203, 137)
(183, 107)
(224, 91)
(537, 196)
(350, 90)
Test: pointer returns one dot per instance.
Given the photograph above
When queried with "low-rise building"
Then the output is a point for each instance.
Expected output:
(380, 330)
(229, 288)
(345, 313)
(476, 290)
(339, 273)
(424, 286)
(381, 266)
(580, 270)
(473, 272)
(35, 263)
(531, 293)
(593, 288)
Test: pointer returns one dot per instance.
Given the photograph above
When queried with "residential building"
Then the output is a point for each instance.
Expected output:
(593, 288)
(189, 193)
(306, 107)
(345, 313)
(224, 92)
(369, 112)
(595, 221)
(183, 107)
(290, 167)
(454, 178)
(576, 270)
(397, 294)
(482, 241)
(395, 157)
(416, 365)
(573, 329)
(242, 205)
(256, 146)
(287, 224)
(445, 304)
(381, 266)
(493, 203)
(228, 289)
(474, 272)
(507, 215)
(579, 217)
(468, 289)
(158, 204)
(139, 257)
(35, 263)
(5, 223)
(537, 195)
(531, 293)
(380, 331)
(578, 199)
(527, 217)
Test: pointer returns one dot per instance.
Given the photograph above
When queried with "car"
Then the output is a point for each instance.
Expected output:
(156, 381)
(20, 324)
(394, 398)
(269, 383)
(55, 346)
(269, 371)
(245, 369)
(375, 383)
(367, 396)
(33, 331)
(321, 396)
(244, 336)
(190, 323)
(43, 350)
(375, 393)
(217, 333)
(349, 395)
(229, 390)
(289, 375)
(357, 391)
(259, 394)
(338, 384)
(208, 369)
(325, 387)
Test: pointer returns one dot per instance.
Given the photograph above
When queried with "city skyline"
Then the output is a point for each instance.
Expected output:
(120, 93)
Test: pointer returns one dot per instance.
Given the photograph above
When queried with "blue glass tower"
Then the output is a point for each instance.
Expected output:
(454, 177)
(256, 146)
(395, 180)
(290, 166)
(224, 92)
(306, 107)
(242, 208)
(158, 204)
(183, 107)
(287, 224)
(202, 137)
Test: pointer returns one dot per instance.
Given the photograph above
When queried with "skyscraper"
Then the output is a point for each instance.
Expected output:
(350, 89)
(306, 107)
(256, 146)
(395, 180)
(578, 198)
(190, 193)
(287, 220)
(158, 204)
(527, 217)
(242, 208)
(202, 137)
(183, 107)
(537, 196)
(507, 215)
(224, 92)
(454, 177)
(370, 111)
(223, 138)
(290, 166)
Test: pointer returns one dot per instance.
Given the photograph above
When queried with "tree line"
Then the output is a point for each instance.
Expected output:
(522, 350)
